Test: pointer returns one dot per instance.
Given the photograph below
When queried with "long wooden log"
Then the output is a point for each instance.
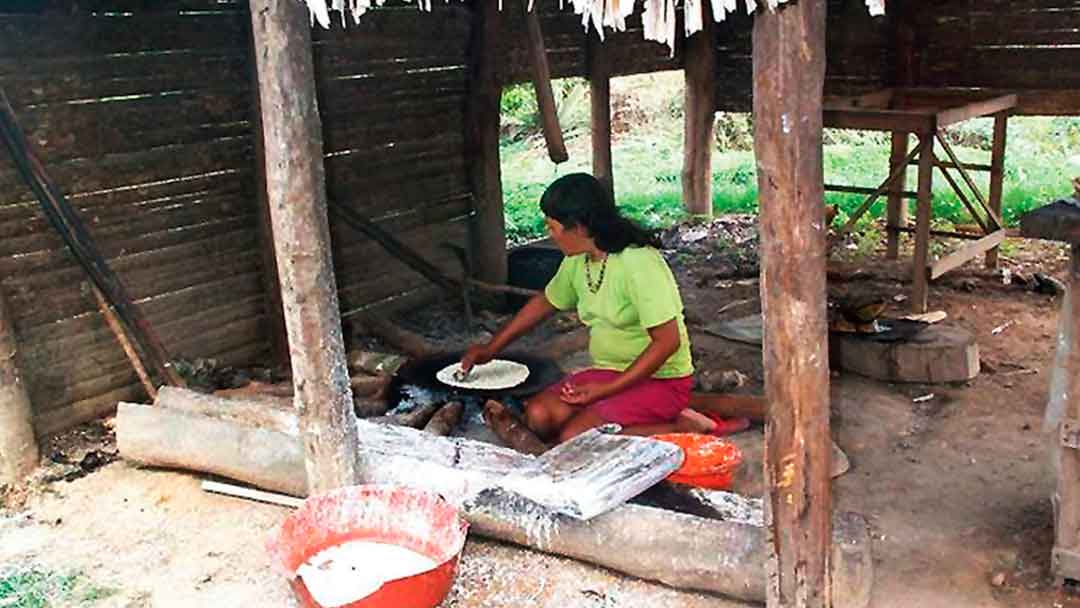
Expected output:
(482, 143)
(275, 313)
(296, 187)
(510, 430)
(789, 76)
(18, 446)
(444, 421)
(272, 413)
(81, 245)
(683, 551)
(264, 456)
(699, 118)
(599, 61)
(121, 337)
(726, 557)
(541, 74)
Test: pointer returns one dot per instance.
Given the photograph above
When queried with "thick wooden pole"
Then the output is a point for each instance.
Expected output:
(600, 102)
(545, 97)
(699, 116)
(789, 75)
(18, 447)
(920, 274)
(997, 175)
(1064, 387)
(296, 188)
(896, 211)
(482, 143)
(279, 341)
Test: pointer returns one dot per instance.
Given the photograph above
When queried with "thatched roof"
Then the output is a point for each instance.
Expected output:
(659, 16)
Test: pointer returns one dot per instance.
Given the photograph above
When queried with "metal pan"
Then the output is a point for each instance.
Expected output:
(543, 372)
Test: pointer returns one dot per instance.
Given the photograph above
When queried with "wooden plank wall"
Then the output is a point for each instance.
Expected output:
(565, 39)
(1028, 46)
(142, 118)
(859, 59)
(392, 96)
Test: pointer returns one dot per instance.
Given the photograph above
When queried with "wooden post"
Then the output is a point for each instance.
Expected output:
(482, 143)
(1064, 384)
(600, 101)
(296, 188)
(997, 175)
(545, 97)
(789, 76)
(18, 447)
(919, 268)
(699, 116)
(897, 215)
(279, 341)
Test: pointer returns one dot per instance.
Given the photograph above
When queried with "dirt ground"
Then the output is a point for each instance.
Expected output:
(956, 489)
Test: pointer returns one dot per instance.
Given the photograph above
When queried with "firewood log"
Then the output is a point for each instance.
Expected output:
(444, 421)
(510, 430)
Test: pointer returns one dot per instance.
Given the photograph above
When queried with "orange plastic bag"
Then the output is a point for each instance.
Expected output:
(416, 520)
(711, 462)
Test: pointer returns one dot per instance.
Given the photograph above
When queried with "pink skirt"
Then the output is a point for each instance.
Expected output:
(654, 401)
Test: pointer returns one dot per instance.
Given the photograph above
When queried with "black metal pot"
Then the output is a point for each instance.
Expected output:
(531, 267)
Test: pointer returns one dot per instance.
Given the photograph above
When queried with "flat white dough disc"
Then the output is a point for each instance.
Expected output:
(495, 375)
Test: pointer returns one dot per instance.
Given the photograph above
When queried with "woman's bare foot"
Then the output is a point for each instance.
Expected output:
(690, 421)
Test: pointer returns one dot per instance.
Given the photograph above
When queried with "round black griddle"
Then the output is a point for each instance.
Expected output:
(895, 330)
(543, 372)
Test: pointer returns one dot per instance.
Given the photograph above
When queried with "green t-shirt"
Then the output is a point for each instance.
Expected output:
(639, 292)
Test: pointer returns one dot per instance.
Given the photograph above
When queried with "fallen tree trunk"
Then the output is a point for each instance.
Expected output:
(264, 412)
(680, 550)
(268, 458)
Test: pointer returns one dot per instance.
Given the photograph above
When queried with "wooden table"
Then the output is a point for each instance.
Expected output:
(1061, 222)
(926, 113)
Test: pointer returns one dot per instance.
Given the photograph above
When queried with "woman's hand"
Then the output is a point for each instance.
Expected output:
(477, 354)
(583, 394)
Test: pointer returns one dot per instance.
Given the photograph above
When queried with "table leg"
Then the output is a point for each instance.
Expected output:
(997, 175)
(897, 207)
(919, 266)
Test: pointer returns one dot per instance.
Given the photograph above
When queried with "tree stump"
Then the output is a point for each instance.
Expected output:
(938, 354)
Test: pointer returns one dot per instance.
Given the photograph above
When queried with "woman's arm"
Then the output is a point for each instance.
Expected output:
(664, 342)
(532, 314)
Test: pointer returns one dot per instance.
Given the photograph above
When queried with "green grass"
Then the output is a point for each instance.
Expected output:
(647, 157)
(30, 586)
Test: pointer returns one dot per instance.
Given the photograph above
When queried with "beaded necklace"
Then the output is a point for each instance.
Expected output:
(595, 287)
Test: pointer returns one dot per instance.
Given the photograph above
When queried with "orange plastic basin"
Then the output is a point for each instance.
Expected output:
(416, 520)
(710, 462)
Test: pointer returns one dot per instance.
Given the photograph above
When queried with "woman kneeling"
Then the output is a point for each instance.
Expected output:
(624, 291)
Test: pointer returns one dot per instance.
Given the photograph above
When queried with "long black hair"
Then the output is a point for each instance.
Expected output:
(579, 199)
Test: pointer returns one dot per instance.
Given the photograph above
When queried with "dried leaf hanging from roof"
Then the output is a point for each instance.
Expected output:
(659, 16)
